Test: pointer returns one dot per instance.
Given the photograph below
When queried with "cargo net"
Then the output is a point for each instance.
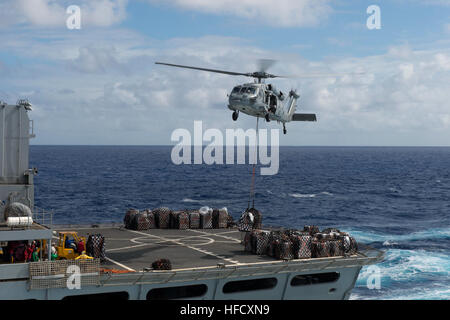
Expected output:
(64, 274)
(95, 246)
(295, 244)
(164, 218)
(250, 219)
(162, 264)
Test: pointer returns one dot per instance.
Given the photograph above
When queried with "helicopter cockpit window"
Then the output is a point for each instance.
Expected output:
(251, 90)
(236, 90)
(248, 90)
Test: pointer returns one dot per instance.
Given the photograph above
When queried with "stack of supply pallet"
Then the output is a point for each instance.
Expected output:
(295, 244)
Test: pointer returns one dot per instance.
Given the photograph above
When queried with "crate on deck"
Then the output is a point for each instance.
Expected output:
(257, 218)
(321, 249)
(162, 217)
(141, 221)
(95, 246)
(181, 220)
(301, 245)
(162, 264)
(128, 220)
(219, 218)
(246, 221)
(349, 244)
(262, 241)
(205, 218)
(194, 220)
(151, 219)
(311, 229)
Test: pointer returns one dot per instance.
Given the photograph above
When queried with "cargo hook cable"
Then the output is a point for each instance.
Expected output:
(252, 186)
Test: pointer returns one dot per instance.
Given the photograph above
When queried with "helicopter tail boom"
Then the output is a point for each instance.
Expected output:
(304, 117)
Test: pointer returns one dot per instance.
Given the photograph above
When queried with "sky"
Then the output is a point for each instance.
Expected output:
(98, 85)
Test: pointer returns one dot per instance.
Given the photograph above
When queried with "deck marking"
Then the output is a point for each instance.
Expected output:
(217, 235)
(205, 240)
(119, 264)
(188, 246)
(129, 247)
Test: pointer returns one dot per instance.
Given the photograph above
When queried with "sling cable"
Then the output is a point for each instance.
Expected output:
(252, 186)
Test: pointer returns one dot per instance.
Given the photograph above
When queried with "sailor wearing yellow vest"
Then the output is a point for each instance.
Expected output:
(83, 256)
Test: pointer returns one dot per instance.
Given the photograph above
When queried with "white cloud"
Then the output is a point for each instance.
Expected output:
(52, 13)
(282, 13)
(105, 89)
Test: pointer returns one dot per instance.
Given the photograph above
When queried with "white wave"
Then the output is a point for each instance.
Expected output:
(367, 236)
(300, 195)
(409, 265)
(310, 195)
(189, 200)
(418, 293)
(389, 243)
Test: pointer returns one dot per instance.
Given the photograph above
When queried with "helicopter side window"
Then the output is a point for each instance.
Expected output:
(251, 90)
(244, 89)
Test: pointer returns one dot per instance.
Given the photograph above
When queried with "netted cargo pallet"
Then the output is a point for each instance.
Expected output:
(336, 248)
(219, 218)
(141, 221)
(206, 220)
(283, 250)
(180, 220)
(151, 219)
(64, 274)
(162, 264)
(95, 246)
(321, 249)
(301, 244)
(262, 242)
(245, 222)
(311, 229)
(294, 244)
(128, 220)
(194, 220)
(349, 244)
(257, 218)
(162, 216)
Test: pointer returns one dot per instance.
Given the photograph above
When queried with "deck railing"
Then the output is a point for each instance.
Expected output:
(43, 217)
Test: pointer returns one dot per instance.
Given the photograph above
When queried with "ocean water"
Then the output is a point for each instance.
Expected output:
(394, 199)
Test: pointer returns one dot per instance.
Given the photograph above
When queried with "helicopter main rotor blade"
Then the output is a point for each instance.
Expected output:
(205, 69)
(322, 75)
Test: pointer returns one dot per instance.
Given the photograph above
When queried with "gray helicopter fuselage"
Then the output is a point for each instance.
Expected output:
(256, 99)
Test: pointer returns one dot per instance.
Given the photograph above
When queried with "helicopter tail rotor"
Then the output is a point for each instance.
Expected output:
(293, 93)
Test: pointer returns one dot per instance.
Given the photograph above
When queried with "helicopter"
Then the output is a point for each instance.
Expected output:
(259, 99)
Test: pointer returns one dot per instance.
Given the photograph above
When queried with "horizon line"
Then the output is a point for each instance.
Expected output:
(309, 146)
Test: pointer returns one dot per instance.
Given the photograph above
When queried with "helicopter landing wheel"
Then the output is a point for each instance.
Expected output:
(235, 115)
(284, 129)
(267, 117)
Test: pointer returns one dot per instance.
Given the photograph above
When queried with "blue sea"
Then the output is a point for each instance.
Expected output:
(396, 199)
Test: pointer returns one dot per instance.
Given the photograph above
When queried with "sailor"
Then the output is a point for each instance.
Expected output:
(54, 254)
(84, 256)
(80, 247)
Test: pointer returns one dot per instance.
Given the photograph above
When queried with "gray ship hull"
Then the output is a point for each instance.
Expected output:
(201, 270)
